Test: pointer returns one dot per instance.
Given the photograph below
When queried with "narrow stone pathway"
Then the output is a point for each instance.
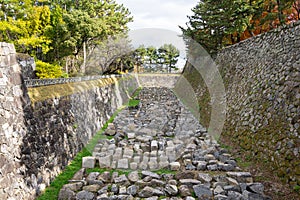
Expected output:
(168, 154)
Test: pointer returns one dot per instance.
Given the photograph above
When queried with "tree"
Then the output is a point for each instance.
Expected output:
(140, 56)
(215, 24)
(152, 56)
(90, 22)
(103, 55)
(59, 31)
(169, 56)
(152, 59)
(46, 70)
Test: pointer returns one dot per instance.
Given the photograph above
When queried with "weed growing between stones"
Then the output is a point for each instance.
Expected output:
(297, 188)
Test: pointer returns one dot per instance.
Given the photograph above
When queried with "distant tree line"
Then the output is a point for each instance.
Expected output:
(162, 59)
(61, 33)
(215, 24)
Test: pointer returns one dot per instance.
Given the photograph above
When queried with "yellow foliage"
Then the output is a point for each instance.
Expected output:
(46, 70)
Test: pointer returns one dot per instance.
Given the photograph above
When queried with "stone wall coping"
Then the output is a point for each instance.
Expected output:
(44, 82)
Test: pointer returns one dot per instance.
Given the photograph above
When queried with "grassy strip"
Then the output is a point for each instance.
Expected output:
(53, 190)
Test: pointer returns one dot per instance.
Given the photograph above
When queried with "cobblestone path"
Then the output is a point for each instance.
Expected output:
(165, 154)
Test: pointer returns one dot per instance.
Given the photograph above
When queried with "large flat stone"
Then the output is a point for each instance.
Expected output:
(88, 162)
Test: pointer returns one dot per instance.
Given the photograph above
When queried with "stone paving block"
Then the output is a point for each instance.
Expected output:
(120, 179)
(145, 157)
(146, 173)
(136, 147)
(212, 167)
(99, 154)
(88, 162)
(133, 165)
(189, 181)
(122, 190)
(123, 163)
(105, 162)
(104, 149)
(242, 177)
(163, 164)
(143, 165)
(154, 145)
(174, 166)
(111, 147)
(114, 164)
(153, 163)
(202, 192)
(163, 158)
(131, 135)
(201, 165)
(161, 153)
(137, 159)
(170, 144)
(172, 157)
(153, 153)
(118, 154)
(128, 153)
(110, 152)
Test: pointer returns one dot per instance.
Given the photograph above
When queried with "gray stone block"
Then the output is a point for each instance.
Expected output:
(88, 162)
(123, 164)
(105, 162)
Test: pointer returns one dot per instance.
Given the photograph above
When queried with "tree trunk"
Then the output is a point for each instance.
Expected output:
(66, 66)
(83, 66)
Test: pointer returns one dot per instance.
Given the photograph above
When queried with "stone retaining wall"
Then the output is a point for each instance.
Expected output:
(262, 79)
(158, 80)
(39, 137)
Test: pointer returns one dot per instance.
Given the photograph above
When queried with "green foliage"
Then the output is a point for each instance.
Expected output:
(168, 55)
(54, 31)
(53, 191)
(297, 188)
(163, 58)
(133, 102)
(46, 70)
(215, 24)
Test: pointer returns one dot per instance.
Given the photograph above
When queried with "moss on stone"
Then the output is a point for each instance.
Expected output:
(42, 93)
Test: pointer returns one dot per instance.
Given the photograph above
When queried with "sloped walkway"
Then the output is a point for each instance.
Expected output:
(167, 154)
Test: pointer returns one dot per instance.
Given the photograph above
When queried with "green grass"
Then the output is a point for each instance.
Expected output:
(133, 102)
(243, 164)
(165, 171)
(229, 148)
(52, 191)
(297, 188)
(137, 92)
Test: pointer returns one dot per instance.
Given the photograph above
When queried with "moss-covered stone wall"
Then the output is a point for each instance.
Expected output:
(262, 80)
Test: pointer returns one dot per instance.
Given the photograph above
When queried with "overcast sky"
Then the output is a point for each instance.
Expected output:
(166, 14)
(156, 22)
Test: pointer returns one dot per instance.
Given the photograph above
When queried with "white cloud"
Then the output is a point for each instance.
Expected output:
(167, 14)
(156, 22)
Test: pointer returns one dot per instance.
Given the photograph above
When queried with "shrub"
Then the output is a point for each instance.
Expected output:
(47, 70)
